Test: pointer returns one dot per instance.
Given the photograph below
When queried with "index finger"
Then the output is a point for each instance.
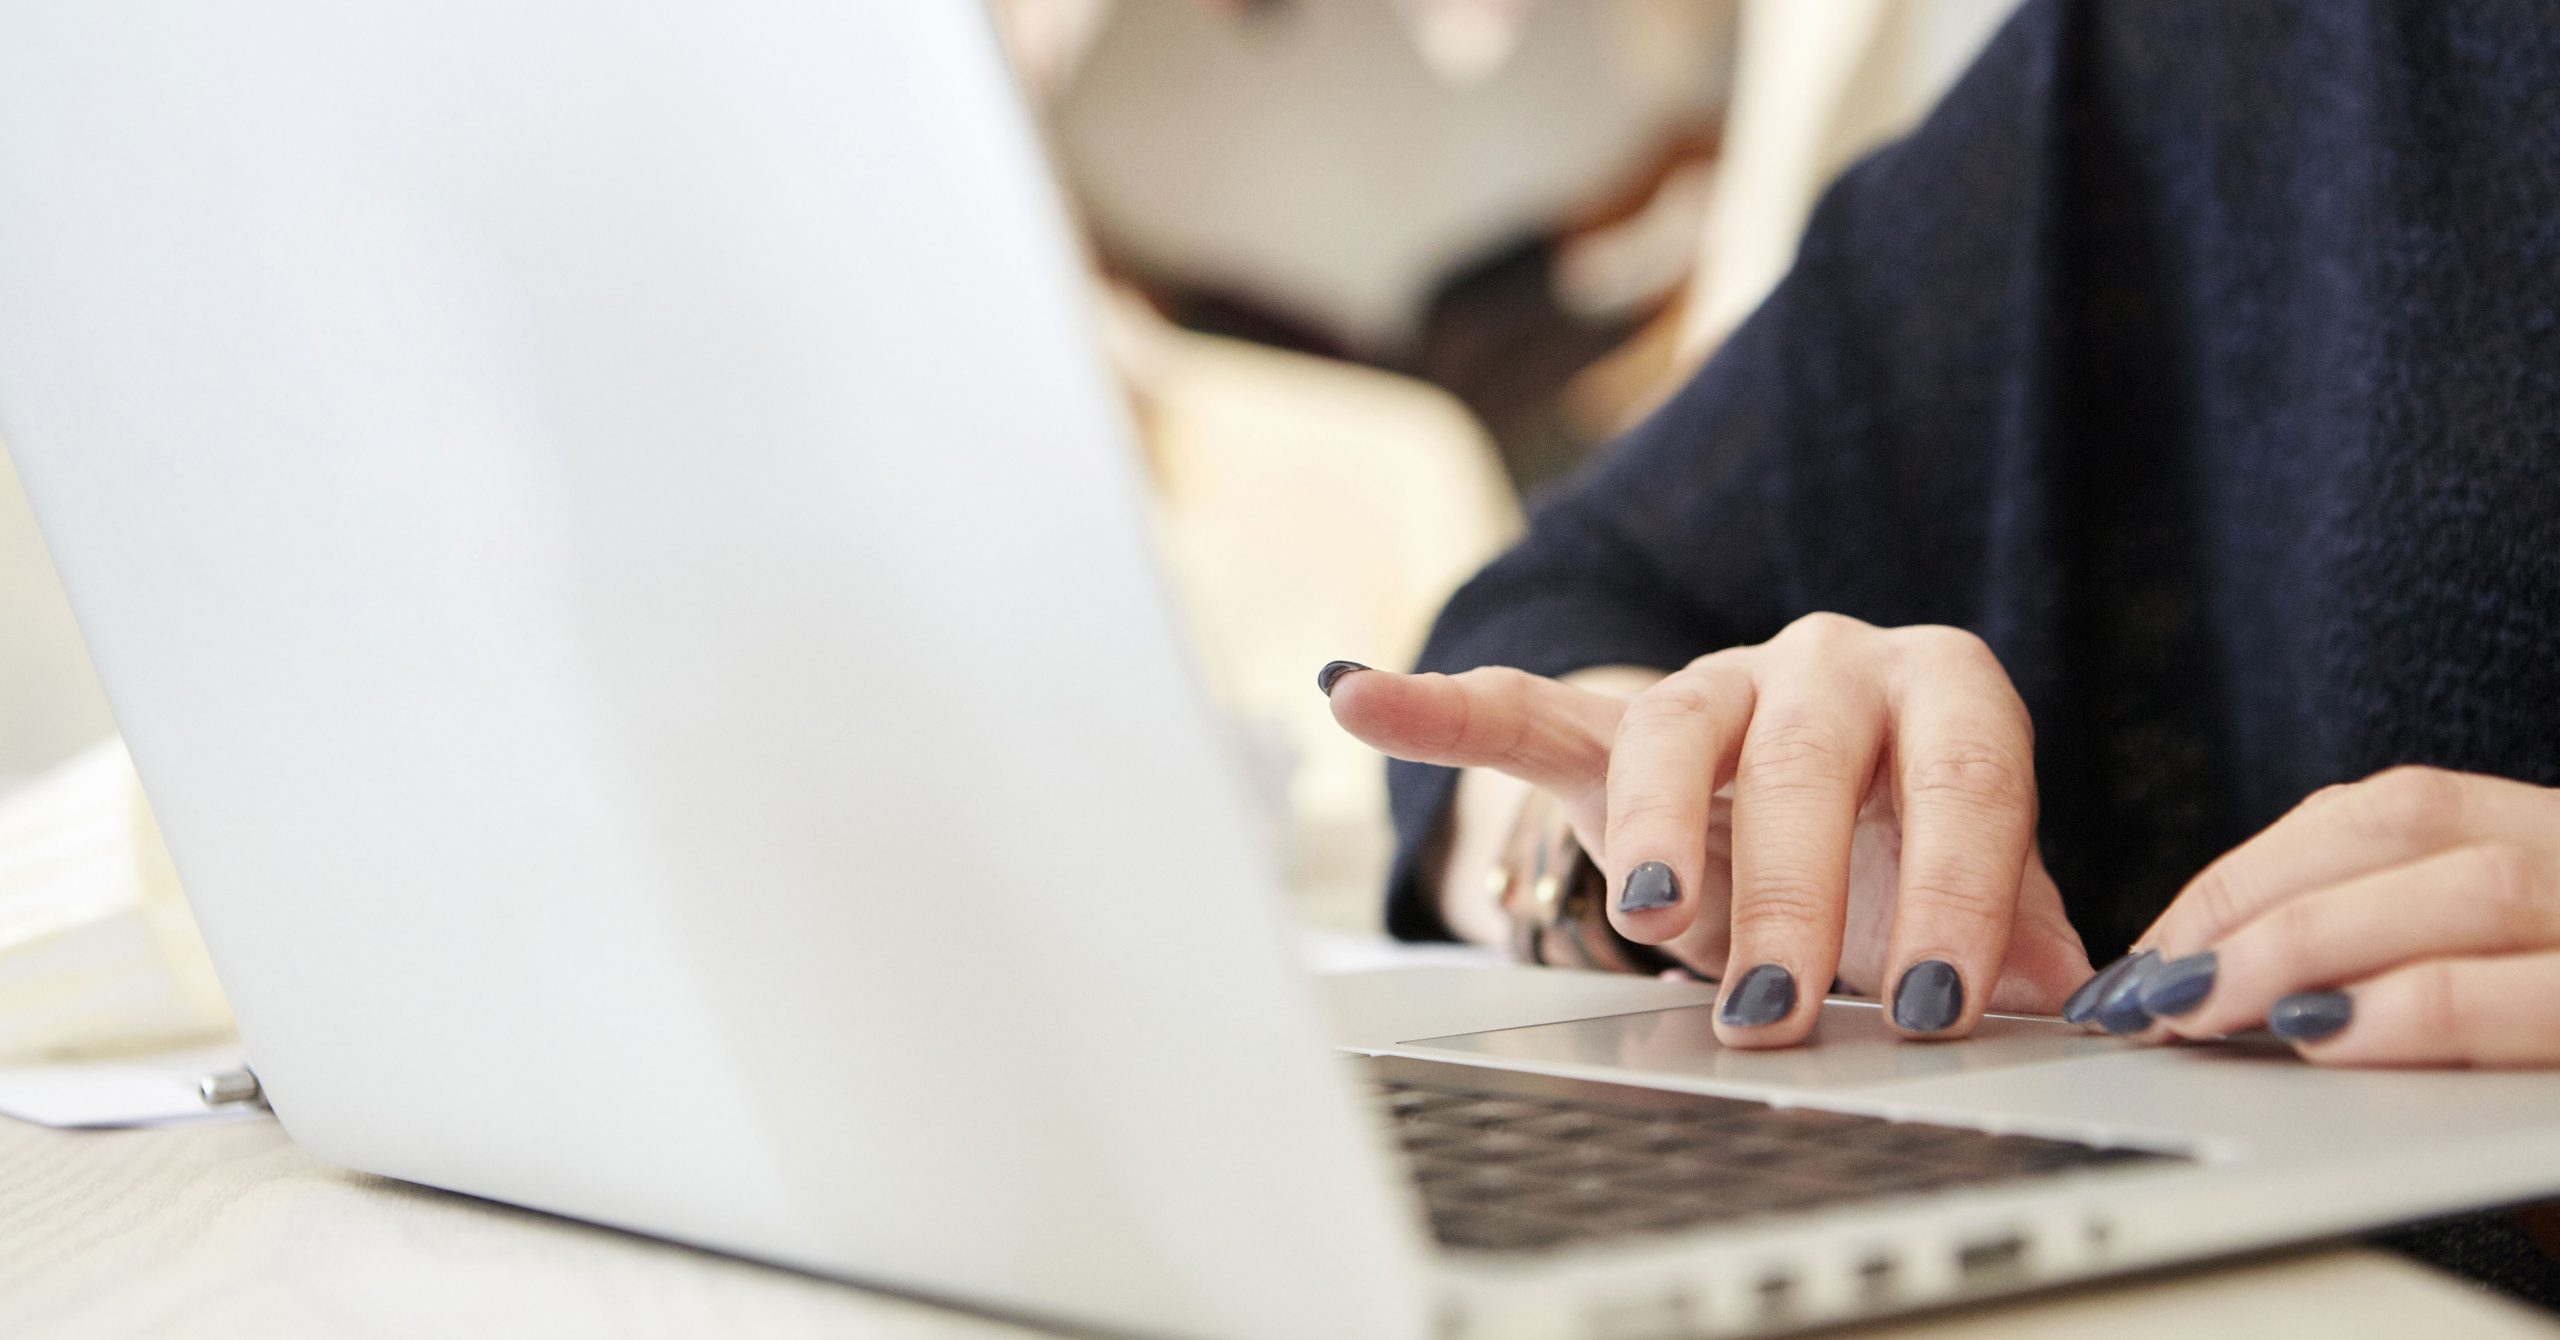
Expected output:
(1544, 732)
(2339, 833)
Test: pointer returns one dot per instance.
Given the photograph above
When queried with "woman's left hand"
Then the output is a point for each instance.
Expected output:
(2412, 918)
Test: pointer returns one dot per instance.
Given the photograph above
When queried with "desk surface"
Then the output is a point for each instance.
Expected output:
(230, 1230)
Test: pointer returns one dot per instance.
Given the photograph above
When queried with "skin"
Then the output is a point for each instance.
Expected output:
(1846, 801)
(2430, 898)
(1843, 800)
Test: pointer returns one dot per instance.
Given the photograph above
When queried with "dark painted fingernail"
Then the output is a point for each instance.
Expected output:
(1333, 672)
(2309, 1016)
(2178, 985)
(2120, 1007)
(1765, 995)
(2083, 1005)
(1929, 997)
(1649, 886)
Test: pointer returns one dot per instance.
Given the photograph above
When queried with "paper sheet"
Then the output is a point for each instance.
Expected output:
(153, 1090)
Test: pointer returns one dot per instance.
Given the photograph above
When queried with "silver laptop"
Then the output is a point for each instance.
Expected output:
(612, 546)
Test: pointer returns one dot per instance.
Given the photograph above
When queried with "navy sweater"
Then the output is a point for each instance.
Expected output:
(2203, 356)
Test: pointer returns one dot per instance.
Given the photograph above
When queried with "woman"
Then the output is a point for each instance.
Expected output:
(2160, 446)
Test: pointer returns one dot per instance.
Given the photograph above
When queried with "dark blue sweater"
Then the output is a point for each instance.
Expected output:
(2203, 356)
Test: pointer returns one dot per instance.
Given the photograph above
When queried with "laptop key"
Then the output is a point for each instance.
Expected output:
(1488, 1185)
(1665, 1136)
(1915, 1137)
(1491, 1230)
(1497, 1146)
(1580, 1159)
(1686, 1178)
(1569, 1125)
(1405, 1101)
(1569, 1202)
(1489, 1112)
(1416, 1136)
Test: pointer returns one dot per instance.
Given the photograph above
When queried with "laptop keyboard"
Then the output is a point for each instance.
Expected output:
(1511, 1162)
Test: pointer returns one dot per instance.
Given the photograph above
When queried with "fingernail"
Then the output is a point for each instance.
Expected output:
(1649, 886)
(2309, 1016)
(1929, 997)
(1765, 995)
(2178, 985)
(1332, 673)
(2120, 1006)
(2083, 1004)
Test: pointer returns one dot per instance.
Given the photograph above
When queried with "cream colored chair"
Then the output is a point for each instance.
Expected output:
(1309, 510)
(1817, 84)
(50, 706)
(97, 951)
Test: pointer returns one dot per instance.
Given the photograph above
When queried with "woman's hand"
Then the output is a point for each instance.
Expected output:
(2412, 918)
(1880, 826)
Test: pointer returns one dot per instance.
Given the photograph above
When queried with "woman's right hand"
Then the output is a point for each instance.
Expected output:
(1842, 802)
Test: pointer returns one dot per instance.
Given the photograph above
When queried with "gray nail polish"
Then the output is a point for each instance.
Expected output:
(1765, 995)
(1929, 997)
(2120, 1007)
(1334, 671)
(2083, 1004)
(1649, 886)
(2178, 985)
(2309, 1016)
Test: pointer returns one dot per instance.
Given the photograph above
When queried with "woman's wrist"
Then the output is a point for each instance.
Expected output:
(1482, 813)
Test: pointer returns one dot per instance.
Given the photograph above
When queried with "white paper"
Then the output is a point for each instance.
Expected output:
(154, 1090)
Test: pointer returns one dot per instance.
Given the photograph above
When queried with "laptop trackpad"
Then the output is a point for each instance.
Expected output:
(1851, 1047)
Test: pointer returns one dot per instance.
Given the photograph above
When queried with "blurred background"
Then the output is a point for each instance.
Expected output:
(1374, 275)
(1380, 272)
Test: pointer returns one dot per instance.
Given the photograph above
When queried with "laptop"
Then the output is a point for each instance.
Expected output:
(623, 573)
